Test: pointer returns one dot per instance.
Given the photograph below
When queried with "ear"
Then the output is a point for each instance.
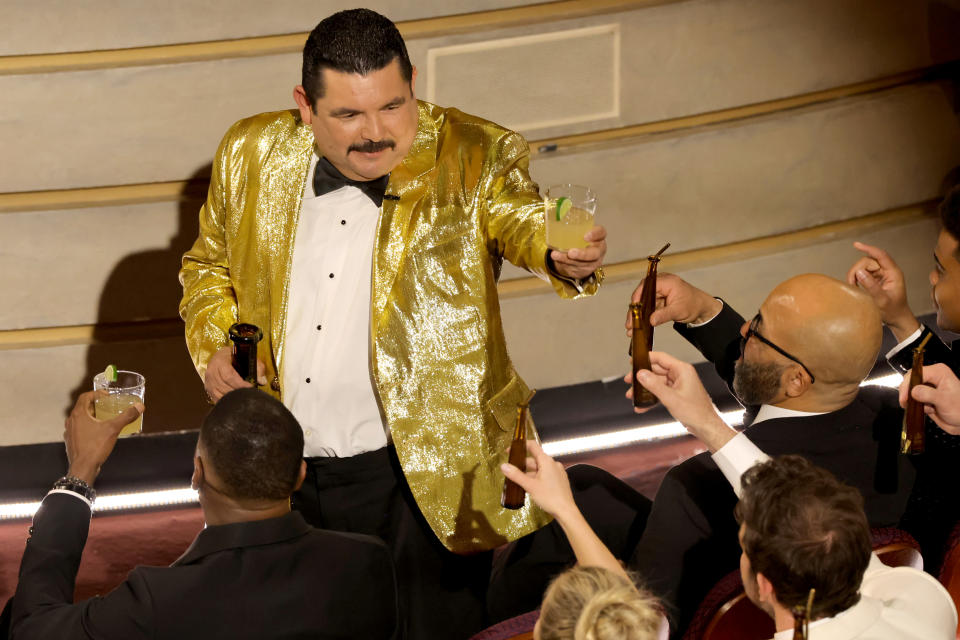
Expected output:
(197, 478)
(765, 590)
(795, 381)
(303, 104)
(413, 80)
(301, 475)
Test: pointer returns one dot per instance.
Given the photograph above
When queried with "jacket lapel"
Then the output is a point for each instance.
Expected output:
(409, 182)
(294, 154)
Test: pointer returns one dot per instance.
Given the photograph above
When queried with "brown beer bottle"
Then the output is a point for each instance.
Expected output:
(245, 338)
(513, 495)
(914, 421)
(642, 340)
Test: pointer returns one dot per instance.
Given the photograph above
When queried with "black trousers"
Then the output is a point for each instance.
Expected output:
(441, 594)
(522, 571)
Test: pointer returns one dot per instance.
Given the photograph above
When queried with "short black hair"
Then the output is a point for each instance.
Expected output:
(804, 529)
(352, 41)
(950, 212)
(255, 445)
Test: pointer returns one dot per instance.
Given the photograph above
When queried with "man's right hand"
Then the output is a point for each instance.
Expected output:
(221, 378)
(940, 395)
(878, 275)
(677, 301)
(678, 387)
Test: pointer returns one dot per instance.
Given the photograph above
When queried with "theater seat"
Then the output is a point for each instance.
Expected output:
(896, 548)
(950, 570)
(521, 628)
(727, 614)
(516, 628)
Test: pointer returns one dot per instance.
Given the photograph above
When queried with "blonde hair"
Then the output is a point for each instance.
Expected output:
(593, 603)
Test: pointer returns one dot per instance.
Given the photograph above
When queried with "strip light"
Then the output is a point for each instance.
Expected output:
(113, 502)
(581, 444)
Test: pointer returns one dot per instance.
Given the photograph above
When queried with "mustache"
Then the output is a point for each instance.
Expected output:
(372, 146)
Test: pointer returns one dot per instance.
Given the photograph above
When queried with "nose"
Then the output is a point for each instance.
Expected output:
(743, 329)
(934, 277)
(373, 128)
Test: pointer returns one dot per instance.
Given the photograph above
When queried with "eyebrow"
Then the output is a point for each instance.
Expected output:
(346, 111)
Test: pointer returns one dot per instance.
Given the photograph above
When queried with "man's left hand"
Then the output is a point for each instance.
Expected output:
(89, 441)
(581, 263)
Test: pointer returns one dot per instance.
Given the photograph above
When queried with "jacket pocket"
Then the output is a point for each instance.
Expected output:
(503, 405)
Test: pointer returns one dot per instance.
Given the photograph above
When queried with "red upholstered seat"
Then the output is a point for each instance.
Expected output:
(517, 628)
(950, 569)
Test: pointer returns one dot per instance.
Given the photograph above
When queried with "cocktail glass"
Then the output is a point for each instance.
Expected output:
(127, 390)
(569, 210)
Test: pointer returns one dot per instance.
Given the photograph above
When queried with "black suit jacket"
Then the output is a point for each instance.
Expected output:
(275, 578)
(690, 540)
(934, 506)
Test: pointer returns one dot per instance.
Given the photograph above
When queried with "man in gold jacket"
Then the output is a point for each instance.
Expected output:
(457, 201)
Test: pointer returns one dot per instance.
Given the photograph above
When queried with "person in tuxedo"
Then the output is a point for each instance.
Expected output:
(364, 232)
(936, 507)
(805, 541)
(256, 571)
(797, 368)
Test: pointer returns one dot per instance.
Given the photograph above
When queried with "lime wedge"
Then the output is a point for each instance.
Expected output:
(110, 373)
(563, 207)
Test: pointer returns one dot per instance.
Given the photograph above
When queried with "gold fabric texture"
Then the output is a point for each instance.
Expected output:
(439, 359)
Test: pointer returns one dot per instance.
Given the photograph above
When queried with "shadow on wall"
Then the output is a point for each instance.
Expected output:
(175, 398)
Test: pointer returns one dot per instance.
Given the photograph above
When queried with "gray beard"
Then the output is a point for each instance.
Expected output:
(756, 384)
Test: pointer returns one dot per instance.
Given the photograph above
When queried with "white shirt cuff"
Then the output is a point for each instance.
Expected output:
(897, 349)
(735, 457)
(694, 325)
(71, 493)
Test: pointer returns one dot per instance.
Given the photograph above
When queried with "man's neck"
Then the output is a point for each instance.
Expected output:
(230, 512)
(831, 400)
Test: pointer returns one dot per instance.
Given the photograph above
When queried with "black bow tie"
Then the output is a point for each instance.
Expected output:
(326, 178)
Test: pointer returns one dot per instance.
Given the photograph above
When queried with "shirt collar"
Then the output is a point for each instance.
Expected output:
(769, 412)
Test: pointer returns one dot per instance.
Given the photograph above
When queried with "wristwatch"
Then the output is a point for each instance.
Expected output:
(76, 485)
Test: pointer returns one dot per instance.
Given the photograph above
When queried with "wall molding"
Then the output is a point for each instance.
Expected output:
(293, 42)
(530, 286)
(195, 189)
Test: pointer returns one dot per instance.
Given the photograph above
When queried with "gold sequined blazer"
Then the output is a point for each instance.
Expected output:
(439, 360)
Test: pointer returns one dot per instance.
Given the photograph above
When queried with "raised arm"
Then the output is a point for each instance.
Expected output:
(546, 482)
(209, 303)
(514, 224)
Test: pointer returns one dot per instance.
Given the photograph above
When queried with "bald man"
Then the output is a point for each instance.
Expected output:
(796, 366)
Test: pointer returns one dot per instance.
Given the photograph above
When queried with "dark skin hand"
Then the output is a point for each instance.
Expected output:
(90, 441)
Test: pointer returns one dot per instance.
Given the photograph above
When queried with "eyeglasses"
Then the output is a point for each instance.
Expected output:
(752, 332)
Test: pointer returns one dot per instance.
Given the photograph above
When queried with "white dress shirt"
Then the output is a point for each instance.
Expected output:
(326, 372)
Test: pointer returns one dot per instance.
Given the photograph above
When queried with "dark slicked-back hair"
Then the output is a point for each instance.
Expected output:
(352, 41)
(255, 445)
(804, 529)
(950, 212)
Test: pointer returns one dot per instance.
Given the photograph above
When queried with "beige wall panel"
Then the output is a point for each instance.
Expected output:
(530, 69)
(49, 26)
(693, 57)
(556, 342)
(159, 123)
(786, 172)
(83, 266)
(40, 386)
(119, 126)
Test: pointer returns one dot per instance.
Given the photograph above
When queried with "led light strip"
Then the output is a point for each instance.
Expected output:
(113, 502)
(581, 444)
